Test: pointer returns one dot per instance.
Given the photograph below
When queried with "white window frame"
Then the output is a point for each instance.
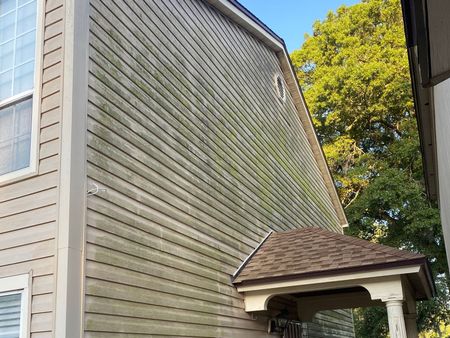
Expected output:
(32, 169)
(281, 95)
(14, 285)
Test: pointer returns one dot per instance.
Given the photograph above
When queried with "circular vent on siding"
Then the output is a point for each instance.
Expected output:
(281, 89)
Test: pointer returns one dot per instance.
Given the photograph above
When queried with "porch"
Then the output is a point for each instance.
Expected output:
(318, 270)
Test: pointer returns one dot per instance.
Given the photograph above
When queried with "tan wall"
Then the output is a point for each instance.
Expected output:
(437, 12)
(199, 160)
(337, 323)
(442, 116)
(28, 208)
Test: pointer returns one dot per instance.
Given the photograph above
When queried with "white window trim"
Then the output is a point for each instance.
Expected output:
(19, 284)
(32, 169)
(281, 95)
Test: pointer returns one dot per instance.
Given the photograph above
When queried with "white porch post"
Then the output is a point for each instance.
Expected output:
(396, 320)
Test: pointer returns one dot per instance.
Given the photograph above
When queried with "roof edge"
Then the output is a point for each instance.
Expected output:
(362, 268)
(255, 250)
(430, 279)
(311, 135)
(424, 115)
(424, 109)
(241, 7)
(243, 17)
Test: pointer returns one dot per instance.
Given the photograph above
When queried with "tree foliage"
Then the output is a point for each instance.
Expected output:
(355, 76)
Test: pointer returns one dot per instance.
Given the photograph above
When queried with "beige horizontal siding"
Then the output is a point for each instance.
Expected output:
(199, 160)
(332, 324)
(28, 207)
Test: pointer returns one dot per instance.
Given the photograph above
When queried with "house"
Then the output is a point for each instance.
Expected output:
(160, 176)
(427, 29)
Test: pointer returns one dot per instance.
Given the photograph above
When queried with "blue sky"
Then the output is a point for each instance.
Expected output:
(291, 19)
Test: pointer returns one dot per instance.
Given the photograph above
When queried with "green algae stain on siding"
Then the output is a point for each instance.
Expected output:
(199, 160)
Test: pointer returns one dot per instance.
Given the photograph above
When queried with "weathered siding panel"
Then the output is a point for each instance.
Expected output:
(28, 207)
(199, 159)
(331, 324)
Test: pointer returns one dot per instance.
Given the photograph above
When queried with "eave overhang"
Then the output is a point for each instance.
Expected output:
(424, 108)
(427, 31)
(427, 28)
(382, 285)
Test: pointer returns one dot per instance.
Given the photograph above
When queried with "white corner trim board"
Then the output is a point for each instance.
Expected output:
(69, 306)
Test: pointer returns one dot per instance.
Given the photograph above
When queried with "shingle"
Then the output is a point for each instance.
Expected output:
(315, 250)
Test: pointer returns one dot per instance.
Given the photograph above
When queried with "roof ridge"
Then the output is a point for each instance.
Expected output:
(369, 245)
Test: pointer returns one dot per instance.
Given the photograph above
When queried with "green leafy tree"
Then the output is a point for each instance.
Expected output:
(355, 76)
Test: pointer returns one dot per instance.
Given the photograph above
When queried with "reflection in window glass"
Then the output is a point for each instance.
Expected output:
(15, 136)
(17, 59)
(17, 46)
(7, 52)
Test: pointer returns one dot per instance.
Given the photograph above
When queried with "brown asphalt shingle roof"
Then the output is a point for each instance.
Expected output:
(313, 251)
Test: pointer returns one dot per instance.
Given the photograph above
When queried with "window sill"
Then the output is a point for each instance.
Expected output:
(18, 175)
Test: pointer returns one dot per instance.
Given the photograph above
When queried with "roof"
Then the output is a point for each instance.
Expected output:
(314, 251)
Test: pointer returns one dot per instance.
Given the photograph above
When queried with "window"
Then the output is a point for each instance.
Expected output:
(18, 27)
(14, 305)
(279, 84)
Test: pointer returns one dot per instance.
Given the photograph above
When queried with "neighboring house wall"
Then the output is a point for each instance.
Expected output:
(199, 159)
(29, 207)
(337, 323)
(441, 96)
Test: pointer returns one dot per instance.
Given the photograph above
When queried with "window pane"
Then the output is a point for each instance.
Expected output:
(6, 149)
(25, 48)
(10, 306)
(23, 78)
(26, 18)
(17, 47)
(6, 56)
(6, 121)
(23, 118)
(17, 58)
(7, 26)
(6, 6)
(5, 84)
(15, 139)
(21, 150)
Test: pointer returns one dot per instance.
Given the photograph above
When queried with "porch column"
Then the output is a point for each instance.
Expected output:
(396, 320)
(411, 325)
(410, 312)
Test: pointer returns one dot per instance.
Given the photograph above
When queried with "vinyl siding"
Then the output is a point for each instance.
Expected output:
(441, 112)
(199, 159)
(28, 207)
(331, 324)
